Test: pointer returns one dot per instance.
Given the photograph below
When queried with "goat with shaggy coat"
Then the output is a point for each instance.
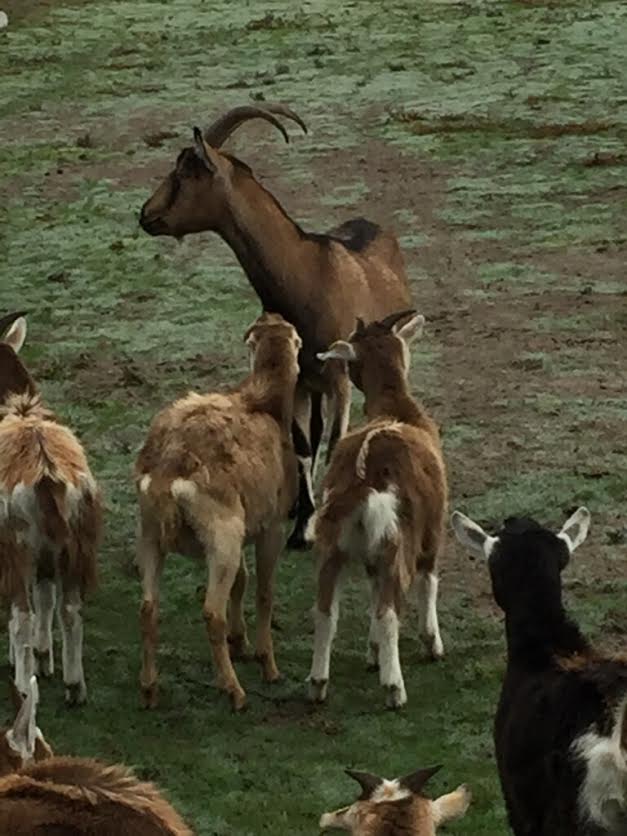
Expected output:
(217, 471)
(561, 725)
(384, 502)
(318, 282)
(41, 793)
(398, 807)
(50, 523)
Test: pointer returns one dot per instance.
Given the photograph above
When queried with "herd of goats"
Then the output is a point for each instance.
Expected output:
(220, 470)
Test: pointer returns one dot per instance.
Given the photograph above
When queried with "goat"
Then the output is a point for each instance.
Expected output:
(384, 503)
(216, 471)
(398, 807)
(561, 726)
(58, 796)
(319, 283)
(50, 523)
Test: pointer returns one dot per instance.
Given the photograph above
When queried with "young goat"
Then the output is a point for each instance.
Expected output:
(50, 523)
(398, 807)
(384, 501)
(216, 471)
(319, 283)
(59, 796)
(561, 725)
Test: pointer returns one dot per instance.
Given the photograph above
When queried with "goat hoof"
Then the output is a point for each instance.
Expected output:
(372, 667)
(269, 670)
(436, 650)
(396, 697)
(318, 690)
(240, 649)
(44, 663)
(149, 695)
(238, 700)
(75, 693)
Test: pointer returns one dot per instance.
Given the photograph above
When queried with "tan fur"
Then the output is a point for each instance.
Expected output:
(396, 456)
(222, 472)
(72, 795)
(316, 282)
(50, 513)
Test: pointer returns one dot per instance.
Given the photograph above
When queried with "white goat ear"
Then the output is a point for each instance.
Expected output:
(411, 330)
(16, 334)
(575, 529)
(23, 734)
(340, 350)
(472, 536)
(205, 152)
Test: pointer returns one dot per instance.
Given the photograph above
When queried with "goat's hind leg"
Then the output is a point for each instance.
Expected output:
(326, 613)
(44, 602)
(72, 633)
(149, 560)
(267, 549)
(238, 636)
(428, 626)
(21, 638)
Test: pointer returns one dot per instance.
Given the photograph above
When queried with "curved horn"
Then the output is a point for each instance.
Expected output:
(8, 320)
(366, 780)
(218, 132)
(416, 780)
(391, 320)
(284, 110)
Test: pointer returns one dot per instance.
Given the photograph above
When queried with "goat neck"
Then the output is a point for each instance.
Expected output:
(387, 394)
(272, 249)
(270, 388)
(538, 633)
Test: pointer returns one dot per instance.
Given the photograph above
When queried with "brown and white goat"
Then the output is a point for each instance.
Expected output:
(50, 523)
(318, 282)
(217, 471)
(59, 796)
(398, 807)
(384, 503)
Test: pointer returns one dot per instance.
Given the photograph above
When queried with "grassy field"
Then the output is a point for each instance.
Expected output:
(491, 135)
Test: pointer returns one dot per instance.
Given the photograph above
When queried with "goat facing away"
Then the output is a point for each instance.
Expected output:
(318, 282)
(50, 523)
(397, 807)
(561, 727)
(217, 471)
(58, 796)
(384, 504)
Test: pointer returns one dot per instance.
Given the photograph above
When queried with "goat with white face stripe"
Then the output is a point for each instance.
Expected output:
(561, 727)
(384, 502)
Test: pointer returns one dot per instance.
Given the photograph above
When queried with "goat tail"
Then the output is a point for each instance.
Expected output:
(160, 508)
(361, 464)
(380, 517)
(51, 497)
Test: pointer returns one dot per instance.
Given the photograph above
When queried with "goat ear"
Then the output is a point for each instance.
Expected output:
(366, 780)
(205, 152)
(340, 350)
(415, 781)
(472, 536)
(24, 730)
(411, 330)
(16, 334)
(575, 529)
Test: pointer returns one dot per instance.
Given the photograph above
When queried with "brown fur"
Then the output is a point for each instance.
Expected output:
(80, 797)
(397, 452)
(221, 471)
(319, 283)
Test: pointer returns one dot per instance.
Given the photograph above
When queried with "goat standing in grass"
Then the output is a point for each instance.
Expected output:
(41, 793)
(397, 808)
(319, 283)
(384, 503)
(50, 523)
(217, 471)
(561, 726)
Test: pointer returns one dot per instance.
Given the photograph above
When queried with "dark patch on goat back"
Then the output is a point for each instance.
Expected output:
(355, 234)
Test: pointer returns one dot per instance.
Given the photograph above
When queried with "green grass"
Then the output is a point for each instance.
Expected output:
(491, 136)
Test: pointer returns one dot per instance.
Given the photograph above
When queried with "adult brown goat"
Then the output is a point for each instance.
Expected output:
(319, 283)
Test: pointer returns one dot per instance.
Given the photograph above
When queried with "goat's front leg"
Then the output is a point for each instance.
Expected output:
(21, 637)
(267, 550)
(223, 561)
(339, 403)
(72, 632)
(326, 613)
(306, 433)
(149, 560)
(238, 636)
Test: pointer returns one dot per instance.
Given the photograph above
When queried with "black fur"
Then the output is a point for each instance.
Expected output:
(543, 706)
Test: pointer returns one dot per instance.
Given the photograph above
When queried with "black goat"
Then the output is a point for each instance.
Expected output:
(561, 726)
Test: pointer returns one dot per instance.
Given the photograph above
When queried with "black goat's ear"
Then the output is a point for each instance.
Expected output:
(205, 152)
(366, 780)
(415, 781)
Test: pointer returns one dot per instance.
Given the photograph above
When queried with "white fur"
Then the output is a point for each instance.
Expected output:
(575, 529)
(325, 629)
(427, 591)
(16, 334)
(472, 536)
(340, 350)
(22, 736)
(380, 517)
(603, 794)
(390, 673)
(144, 483)
(389, 791)
(184, 489)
